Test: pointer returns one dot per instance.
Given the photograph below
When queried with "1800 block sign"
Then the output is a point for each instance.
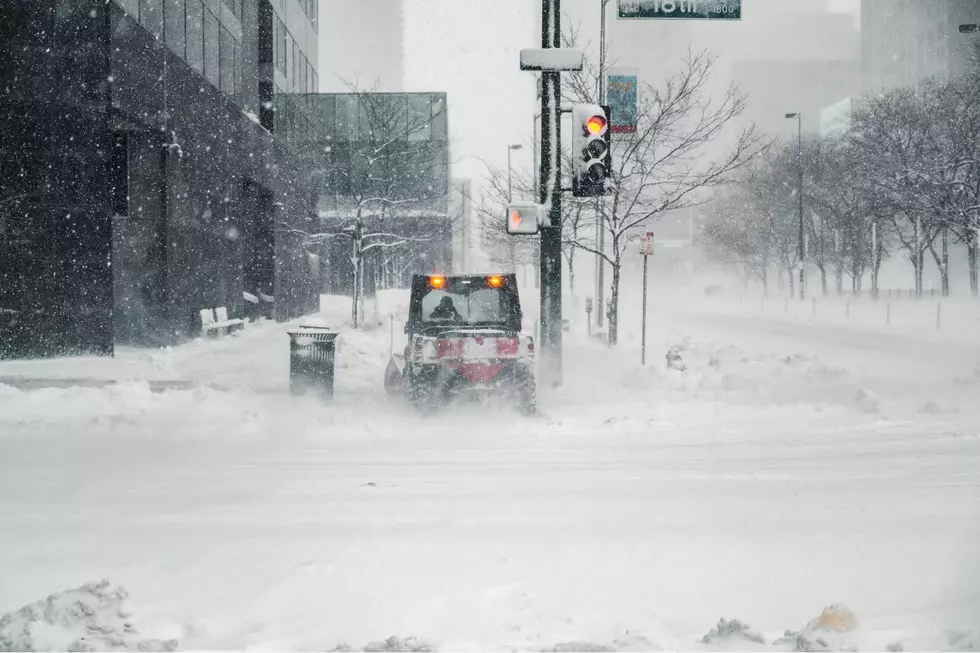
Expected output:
(682, 9)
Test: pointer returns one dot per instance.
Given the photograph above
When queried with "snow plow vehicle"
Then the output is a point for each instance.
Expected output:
(464, 338)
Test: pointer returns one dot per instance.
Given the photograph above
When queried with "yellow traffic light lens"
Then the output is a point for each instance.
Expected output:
(595, 124)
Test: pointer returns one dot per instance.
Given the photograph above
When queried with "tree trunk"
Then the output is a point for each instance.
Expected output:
(839, 276)
(765, 282)
(614, 305)
(917, 260)
(944, 269)
(973, 245)
(571, 271)
(823, 278)
(357, 260)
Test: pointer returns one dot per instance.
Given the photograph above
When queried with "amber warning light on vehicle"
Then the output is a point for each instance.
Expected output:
(437, 282)
(496, 282)
(523, 218)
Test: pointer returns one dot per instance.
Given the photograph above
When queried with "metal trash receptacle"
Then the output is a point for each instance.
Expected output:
(312, 356)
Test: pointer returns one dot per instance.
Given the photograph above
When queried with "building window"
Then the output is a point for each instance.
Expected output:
(227, 57)
(195, 35)
(294, 80)
(212, 31)
(419, 117)
(173, 26)
(282, 47)
(119, 171)
(151, 16)
(238, 73)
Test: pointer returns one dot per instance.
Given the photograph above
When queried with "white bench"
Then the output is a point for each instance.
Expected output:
(216, 321)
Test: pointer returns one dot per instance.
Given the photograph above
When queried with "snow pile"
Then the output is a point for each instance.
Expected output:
(833, 630)
(409, 644)
(93, 617)
(732, 635)
(393, 643)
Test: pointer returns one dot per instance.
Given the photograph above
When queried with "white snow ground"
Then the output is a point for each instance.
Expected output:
(798, 462)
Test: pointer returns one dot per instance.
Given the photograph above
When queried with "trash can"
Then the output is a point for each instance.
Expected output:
(312, 352)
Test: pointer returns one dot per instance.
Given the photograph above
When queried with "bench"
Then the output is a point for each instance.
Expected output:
(216, 322)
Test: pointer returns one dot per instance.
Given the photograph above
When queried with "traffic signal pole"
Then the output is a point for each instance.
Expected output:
(550, 188)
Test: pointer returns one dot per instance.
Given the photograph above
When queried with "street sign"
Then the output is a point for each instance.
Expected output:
(588, 305)
(681, 9)
(646, 245)
(621, 88)
(552, 59)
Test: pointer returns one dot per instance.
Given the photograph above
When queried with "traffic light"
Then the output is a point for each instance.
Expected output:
(591, 150)
(523, 218)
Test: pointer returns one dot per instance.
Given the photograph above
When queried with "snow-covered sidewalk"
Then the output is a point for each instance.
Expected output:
(782, 472)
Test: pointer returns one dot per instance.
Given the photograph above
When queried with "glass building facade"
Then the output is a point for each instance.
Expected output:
(152, 166)
(384, 159)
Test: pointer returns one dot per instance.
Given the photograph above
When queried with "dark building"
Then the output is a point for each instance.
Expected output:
(906, 41)
(383, 160)
(154, 162)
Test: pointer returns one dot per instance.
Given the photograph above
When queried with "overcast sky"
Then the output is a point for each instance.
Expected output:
(470, 49)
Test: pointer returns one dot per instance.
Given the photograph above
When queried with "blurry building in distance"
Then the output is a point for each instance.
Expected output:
(906, 41)
(363, 43)
(386, 168)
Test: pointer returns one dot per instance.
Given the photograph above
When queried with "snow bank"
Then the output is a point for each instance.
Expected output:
(94, 617)
(730, 634)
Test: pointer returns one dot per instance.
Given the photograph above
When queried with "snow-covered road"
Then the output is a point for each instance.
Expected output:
(786, 470)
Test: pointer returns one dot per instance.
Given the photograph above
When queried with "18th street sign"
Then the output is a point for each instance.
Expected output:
(682, 9)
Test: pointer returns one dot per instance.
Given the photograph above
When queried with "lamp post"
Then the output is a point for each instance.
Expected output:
(510, 198)
(802, 251)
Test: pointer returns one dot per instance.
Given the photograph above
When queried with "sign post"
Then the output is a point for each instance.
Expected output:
(588, 315)
(646, 250)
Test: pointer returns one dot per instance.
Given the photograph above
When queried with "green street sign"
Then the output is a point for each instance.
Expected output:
(681, 9)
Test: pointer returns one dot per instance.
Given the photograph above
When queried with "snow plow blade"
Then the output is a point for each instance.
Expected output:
(394, 377)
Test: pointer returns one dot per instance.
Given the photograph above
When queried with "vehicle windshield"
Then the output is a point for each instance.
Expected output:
(465, 302)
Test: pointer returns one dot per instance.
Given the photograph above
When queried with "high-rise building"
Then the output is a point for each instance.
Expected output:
(906, 41)
(152, 165)
(363, 44)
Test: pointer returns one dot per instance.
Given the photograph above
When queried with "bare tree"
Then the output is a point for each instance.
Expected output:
(891, 135)
(383, 173)
(665, 166)
(739, 236)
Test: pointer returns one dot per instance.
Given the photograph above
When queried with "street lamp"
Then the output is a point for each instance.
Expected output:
(802, 252)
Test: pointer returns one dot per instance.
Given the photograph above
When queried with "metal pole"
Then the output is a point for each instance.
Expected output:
(510, 192)
(551, 273)
(643, 328)
(534, 138)
(799, 131)
(600, 233)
